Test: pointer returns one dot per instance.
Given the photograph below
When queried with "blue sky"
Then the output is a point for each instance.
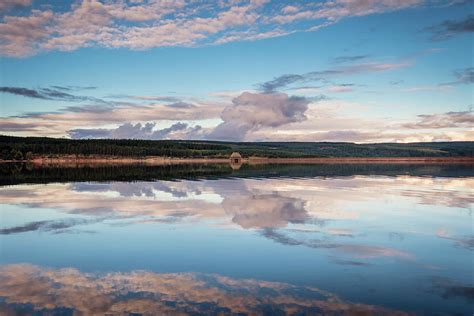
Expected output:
(343, 70)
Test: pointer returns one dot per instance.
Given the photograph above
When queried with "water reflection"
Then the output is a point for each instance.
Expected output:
(28, 173)
(315, 208)
(31, 288)
(402, 240)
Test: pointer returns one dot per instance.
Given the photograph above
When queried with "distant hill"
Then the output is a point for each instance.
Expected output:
(20, 148)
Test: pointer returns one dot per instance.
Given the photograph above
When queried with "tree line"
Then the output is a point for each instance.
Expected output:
(26, 148)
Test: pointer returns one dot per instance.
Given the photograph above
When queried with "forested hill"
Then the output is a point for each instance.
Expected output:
(21, 148)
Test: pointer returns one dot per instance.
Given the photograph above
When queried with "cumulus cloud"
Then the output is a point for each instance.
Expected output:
(252, 111)
(451, 28)
(147, 24)
(139, 131)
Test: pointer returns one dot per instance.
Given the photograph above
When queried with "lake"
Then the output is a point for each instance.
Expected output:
(211, 239)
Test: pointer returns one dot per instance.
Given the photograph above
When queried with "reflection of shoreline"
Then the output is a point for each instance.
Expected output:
(31, 288)
(65, 161)
(17, 173)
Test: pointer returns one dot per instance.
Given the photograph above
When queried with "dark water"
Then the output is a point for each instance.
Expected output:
(207, 239)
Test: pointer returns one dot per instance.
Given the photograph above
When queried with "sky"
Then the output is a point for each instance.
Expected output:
(241, 70)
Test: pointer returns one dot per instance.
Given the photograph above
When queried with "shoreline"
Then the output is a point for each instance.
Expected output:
(251, 160)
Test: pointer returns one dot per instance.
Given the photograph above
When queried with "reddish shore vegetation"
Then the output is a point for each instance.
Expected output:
(65, 160)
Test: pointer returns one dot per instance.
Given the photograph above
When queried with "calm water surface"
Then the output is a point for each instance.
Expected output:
(340, 239)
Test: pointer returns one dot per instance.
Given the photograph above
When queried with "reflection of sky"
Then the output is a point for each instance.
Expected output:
(31, 287)
(351, 236)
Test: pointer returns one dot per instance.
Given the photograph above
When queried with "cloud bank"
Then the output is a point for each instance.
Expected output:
(139, 131)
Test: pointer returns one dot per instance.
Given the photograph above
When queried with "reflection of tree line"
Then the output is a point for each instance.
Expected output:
(28, 173)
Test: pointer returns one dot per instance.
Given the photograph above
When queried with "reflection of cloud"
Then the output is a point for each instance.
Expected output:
(49, 225)
(359, 251)
(266, 210)
(350, 262)
(449, 289)
(37, 289)
(466, 242)
(333, 215)
(363, 251)
(281, 238)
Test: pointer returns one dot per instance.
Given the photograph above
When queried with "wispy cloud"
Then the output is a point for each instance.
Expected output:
(352, 58)
(443, 120)
(55, 93)
(451, 28)
(464, 76)
(74, 88)
(396, 82)
(158, 98)
(351, 69)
